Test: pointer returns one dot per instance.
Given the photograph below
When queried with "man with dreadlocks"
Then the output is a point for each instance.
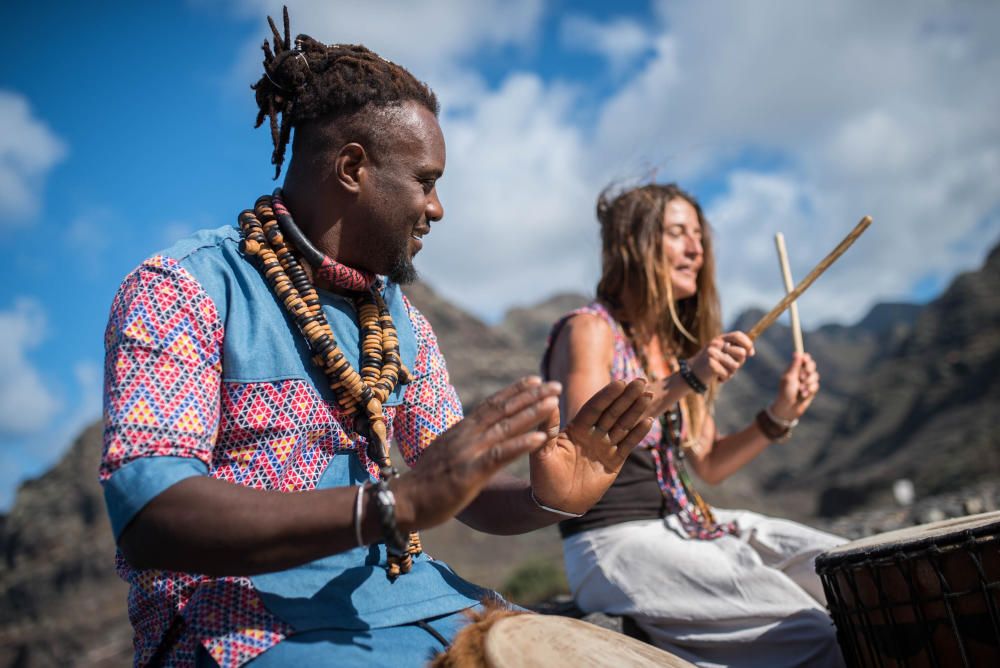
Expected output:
(255, 375)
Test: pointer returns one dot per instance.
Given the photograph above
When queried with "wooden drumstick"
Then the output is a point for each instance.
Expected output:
(786, 275)
(824, 264)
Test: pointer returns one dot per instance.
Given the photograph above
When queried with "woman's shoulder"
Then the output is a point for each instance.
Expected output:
(590, 327)
(597, 314)
(591, 321)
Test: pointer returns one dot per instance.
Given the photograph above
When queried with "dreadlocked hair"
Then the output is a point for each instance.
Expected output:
(634, 264)
(311, 81)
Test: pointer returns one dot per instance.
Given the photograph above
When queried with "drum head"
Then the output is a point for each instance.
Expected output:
(940, 533)
(544, 641)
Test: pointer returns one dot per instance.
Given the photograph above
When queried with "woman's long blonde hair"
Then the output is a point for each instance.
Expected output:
(634, 264)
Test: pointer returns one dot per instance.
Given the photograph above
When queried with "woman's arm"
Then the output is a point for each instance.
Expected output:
(716, 458)
(581, 360)
(720, 457)
(719, 361)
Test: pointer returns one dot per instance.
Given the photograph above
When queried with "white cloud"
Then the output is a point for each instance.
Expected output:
(26, 403)
(173, 231)
(87, 407)
(880, 109)
(28, 150)
(89, 377)
(745, 220)
(518, 198)
(857, 108)
(620, 40)
(429, 37)
(34, 453)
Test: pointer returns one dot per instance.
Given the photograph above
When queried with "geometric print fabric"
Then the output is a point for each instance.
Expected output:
(164, 396)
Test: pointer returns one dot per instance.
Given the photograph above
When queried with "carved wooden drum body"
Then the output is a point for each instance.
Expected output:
(923, 596)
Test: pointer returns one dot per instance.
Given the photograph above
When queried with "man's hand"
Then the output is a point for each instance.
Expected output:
(463, 459)
(577, 465)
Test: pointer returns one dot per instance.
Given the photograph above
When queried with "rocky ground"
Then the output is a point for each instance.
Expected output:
(974, 499)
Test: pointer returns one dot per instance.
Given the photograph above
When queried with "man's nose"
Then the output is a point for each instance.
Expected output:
(435, 210)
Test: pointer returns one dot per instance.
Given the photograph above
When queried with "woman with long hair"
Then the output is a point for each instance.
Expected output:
(716, 587)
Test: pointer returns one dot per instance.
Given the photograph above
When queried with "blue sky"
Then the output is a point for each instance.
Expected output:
(128, 125)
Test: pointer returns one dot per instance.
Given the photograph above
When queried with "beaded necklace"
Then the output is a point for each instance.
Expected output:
(264, 230)
(673, 429)
(671, 447)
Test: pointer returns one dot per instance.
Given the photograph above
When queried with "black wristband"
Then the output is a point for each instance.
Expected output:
(690, 378)
(385, 502)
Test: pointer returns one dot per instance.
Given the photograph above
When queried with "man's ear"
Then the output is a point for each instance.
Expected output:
(350, 166)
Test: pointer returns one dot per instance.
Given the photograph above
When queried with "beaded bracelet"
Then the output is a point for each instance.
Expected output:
(690, 378)
(385, 501)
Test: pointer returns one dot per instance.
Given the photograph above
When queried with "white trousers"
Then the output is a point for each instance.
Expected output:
(750, 601)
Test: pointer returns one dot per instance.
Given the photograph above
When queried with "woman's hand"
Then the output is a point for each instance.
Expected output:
(722, 357)
(577, 465)
(797, 388)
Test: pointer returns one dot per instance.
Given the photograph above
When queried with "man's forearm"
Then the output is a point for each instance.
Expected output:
(505, 508)
(204, 525)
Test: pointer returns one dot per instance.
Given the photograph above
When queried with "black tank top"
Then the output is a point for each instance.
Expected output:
(635, 495)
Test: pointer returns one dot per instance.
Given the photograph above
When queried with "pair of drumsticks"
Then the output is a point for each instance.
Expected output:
(796, 292)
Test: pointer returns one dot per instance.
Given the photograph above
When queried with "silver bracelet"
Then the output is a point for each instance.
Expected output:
(786, 424)
(561, 513)
(358, 509)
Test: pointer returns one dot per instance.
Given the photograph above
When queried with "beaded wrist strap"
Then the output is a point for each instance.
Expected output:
(385, 501)
(690, 378)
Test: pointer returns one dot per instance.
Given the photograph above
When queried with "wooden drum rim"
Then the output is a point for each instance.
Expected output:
(942, 534)
(572, 642)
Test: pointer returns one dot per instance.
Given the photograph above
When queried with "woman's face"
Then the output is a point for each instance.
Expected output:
(682, 245)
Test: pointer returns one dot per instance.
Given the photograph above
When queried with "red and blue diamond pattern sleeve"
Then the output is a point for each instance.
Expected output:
(163, 366)
(430, 403)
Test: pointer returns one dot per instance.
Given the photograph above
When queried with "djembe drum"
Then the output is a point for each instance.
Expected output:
(550, 641)
(923, 596)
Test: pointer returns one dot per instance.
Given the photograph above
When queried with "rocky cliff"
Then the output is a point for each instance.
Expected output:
(909, 391)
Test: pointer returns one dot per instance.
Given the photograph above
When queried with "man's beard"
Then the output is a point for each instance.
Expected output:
(402, 271)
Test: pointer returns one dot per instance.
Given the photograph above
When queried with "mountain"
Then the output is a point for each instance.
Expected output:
(843, 356)
(61, 603)
(909, 391)
(480, 359)
(928, 410)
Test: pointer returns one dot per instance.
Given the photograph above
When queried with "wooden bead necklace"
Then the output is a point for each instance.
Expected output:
(264, 230)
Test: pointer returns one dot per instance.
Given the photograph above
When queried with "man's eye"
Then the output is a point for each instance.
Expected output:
(428, 185)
